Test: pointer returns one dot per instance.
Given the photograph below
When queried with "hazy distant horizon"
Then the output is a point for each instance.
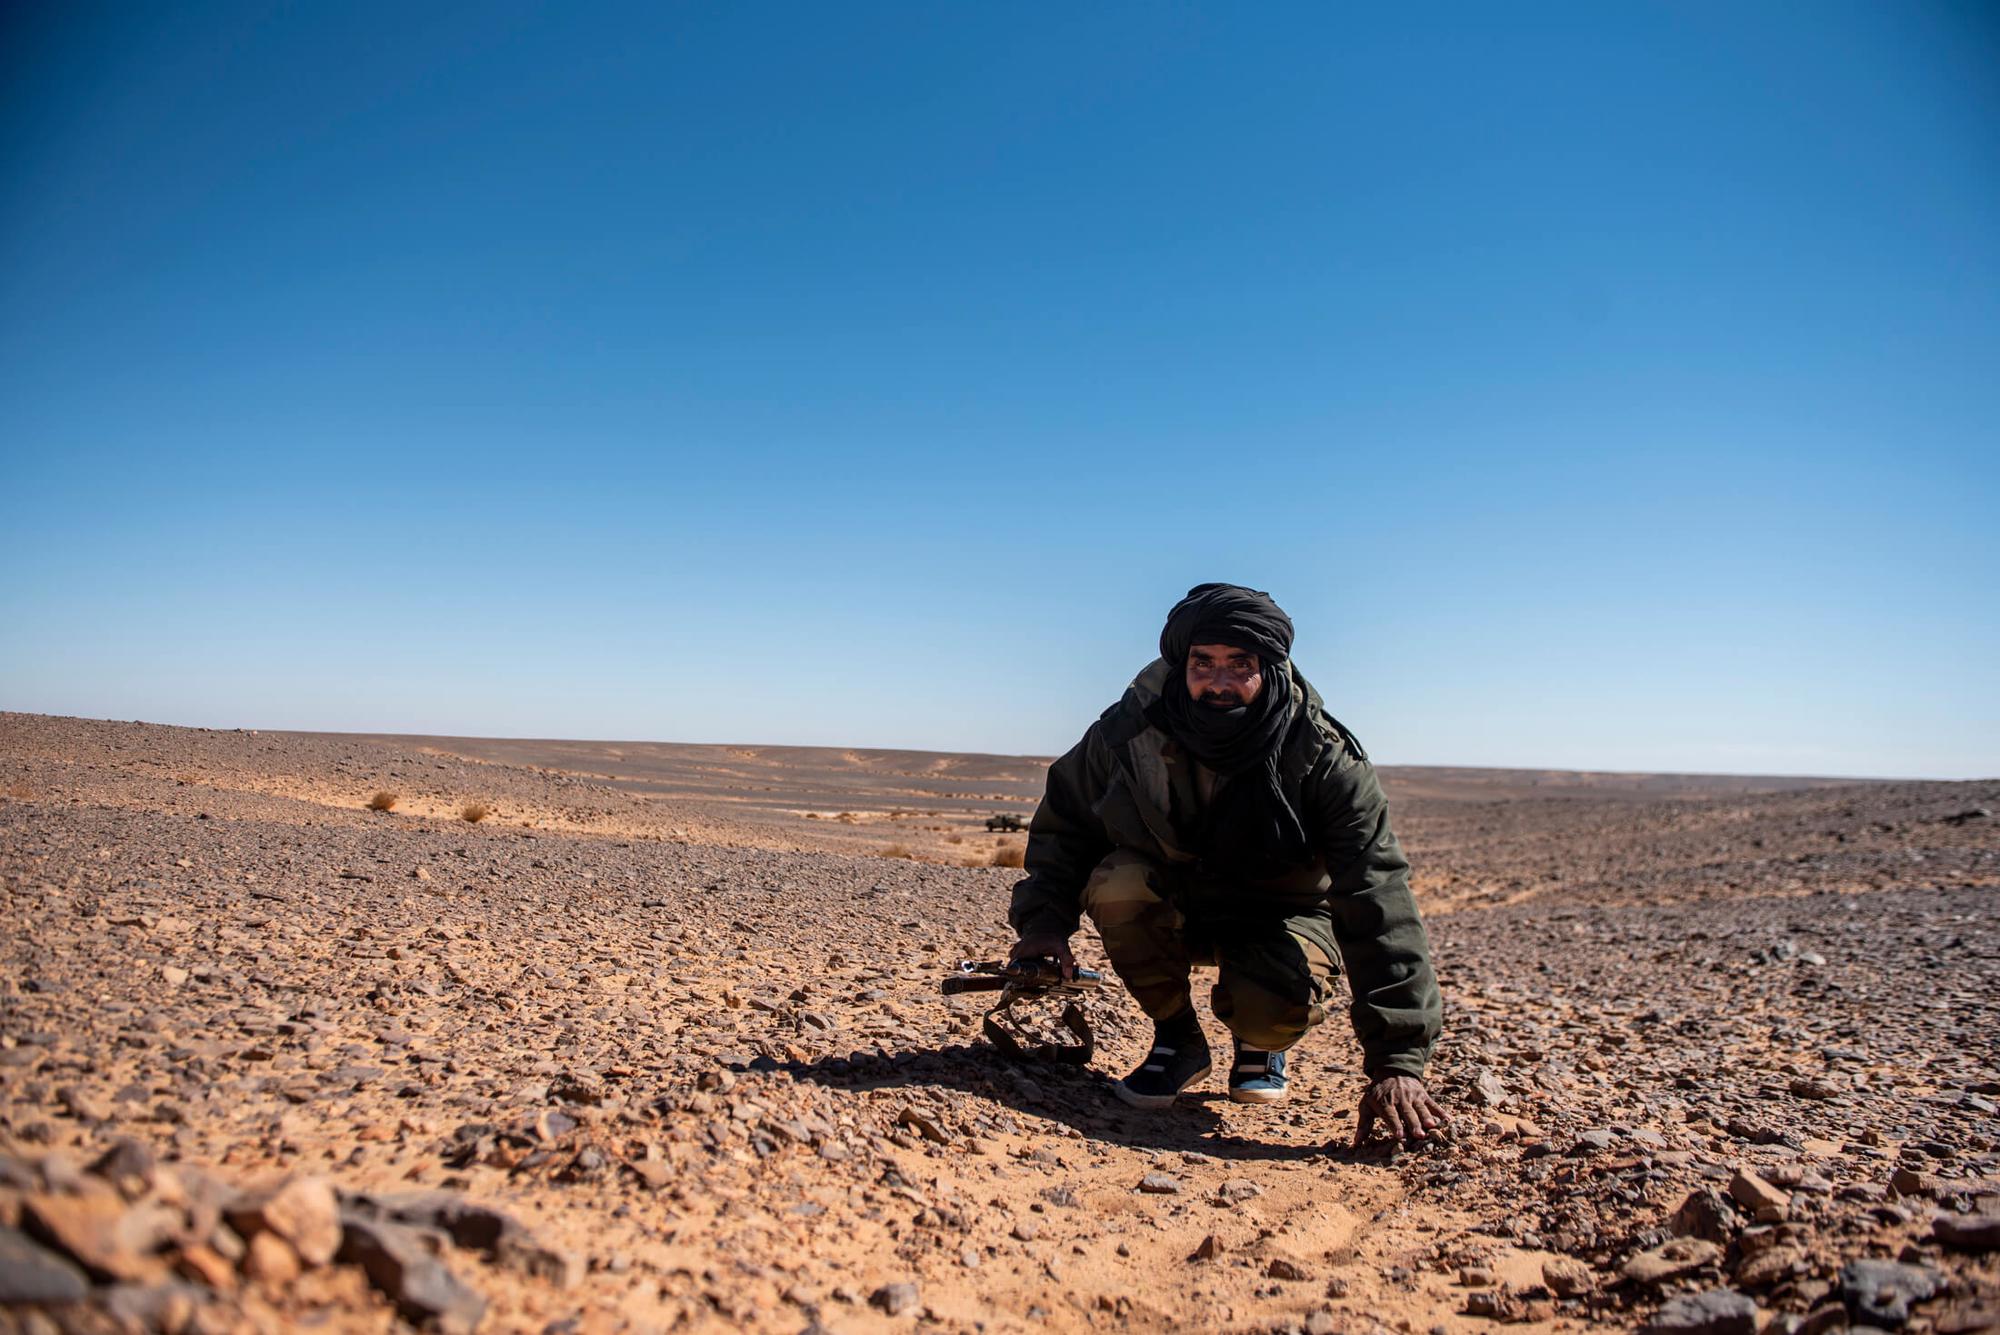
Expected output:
(1036, 756)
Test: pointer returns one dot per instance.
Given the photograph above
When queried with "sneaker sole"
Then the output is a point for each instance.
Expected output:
(1259, 1095)
(1138, 1100)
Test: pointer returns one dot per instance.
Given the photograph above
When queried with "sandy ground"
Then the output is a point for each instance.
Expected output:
(1721, 1055)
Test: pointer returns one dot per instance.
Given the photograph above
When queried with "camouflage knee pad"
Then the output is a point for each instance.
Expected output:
(1142, 934)
(1271, 990)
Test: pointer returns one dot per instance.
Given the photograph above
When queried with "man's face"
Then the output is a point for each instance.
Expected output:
(1221, 676)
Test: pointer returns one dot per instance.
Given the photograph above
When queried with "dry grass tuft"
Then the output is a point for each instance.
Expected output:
(474, 812)
(383, 801)
(1010, 855)
(899, 851)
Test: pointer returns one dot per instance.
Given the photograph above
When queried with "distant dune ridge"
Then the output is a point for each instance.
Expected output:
(658, 1044)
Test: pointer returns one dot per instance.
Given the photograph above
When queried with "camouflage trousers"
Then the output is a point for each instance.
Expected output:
(1272, 983)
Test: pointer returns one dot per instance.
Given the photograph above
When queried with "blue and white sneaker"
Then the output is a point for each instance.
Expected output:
(1257, 1076)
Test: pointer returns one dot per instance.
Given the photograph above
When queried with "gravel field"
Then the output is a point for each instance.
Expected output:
(613, 1058)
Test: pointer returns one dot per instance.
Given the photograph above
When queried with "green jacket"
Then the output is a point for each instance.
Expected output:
(1129, 785)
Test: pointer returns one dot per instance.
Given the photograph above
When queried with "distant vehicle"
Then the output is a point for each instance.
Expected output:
(1006, 824)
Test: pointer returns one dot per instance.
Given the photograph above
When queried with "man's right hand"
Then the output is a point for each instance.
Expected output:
(1047, 948)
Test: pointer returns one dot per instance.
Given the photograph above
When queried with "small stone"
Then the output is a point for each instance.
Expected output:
(163, 1307)
(303, 1211)
(1159, 1184)
(1674, 1257)
(1567, 1277)
(1487, 1089)
(1705, 1214)
(655, 1173)
(129, 1166)
(206, 1266)
(1767, 1267)
(270, 1260)
(923, 1124)
(1475, 1277)
(1208, 1249)
(1754, 1193)
(173, 975)
(1236, 1189)
(895, 1299)
(1594, 1141)
(1025, 1230)
(1289, 1271)
(82, 1106)
(1716, 1312)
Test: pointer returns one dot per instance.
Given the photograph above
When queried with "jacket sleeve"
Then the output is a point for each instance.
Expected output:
(1397, 1011)
(1066, 841)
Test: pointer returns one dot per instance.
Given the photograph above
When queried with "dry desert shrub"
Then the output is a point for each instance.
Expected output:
(1010, 855)
(383, 801)
(474, 812)
(846, 817)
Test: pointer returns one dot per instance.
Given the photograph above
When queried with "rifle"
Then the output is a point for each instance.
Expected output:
(1027, 980)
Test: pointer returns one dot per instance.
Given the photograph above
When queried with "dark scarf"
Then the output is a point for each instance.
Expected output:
(1249, 829)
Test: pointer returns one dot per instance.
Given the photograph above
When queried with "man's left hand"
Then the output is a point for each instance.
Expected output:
(1402, 1105)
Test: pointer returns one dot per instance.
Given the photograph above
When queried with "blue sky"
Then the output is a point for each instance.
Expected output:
(1598, 386)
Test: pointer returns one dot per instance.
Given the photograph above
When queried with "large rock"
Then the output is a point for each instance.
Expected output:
(397, 1262)
(1717, 1312)
(1970, 1232)
(1880, 1292)
(101, 1233)
(32, 1274)
(496, 1235)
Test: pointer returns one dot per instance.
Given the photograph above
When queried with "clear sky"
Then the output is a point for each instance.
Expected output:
(1598, 386)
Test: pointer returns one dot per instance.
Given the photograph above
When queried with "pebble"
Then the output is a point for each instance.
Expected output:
(895, 1299)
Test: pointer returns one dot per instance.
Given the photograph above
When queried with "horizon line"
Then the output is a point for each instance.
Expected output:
(999, 755)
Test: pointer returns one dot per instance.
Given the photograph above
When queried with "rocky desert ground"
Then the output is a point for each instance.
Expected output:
(656, 1044)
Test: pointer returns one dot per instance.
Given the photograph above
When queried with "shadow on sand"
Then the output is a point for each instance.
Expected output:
(1077, 1097)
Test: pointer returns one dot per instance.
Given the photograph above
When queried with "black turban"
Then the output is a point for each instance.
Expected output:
(1227, 614)
(1250, 829)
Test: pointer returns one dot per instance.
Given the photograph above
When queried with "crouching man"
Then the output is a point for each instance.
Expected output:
(1216, 815)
